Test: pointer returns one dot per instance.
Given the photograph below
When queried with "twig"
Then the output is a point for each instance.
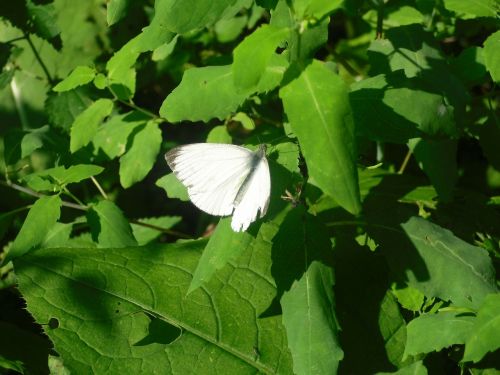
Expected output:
(39, 195)
(160, 229)
(99, 187)
(39, 59)
(15, 39)
(380, 20)
(405, 162)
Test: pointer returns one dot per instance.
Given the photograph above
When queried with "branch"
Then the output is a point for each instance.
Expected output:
(39, 59)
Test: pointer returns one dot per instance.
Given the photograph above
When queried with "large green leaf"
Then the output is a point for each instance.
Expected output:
(307, 301)
(141, 156)
(224, 245)
(112, 304)
(492, 55)
(116, 10)
(81, 75)
(316, 103)
(479, 8)
(184, 16)
(108, 226)
(253, 55)
(433, 332)
(85, 125)
(432, 256)
(41, 218)
(485, 334)
(438, 159)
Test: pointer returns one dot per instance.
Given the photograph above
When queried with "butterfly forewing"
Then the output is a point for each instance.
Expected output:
(212, 173)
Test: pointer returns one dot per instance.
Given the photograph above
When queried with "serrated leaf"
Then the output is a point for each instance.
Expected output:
(317, 105)
(81, 75)
(58, 235)
(86, 124)
(224, 245)
(436, 258)
(417, 368)
(109, 227)
(41, 218)
(144, 234)
(203, 94)
(141, 156)
(433, 332)
(438, 159)
(116, 10)
(63, 108)
(485, 334)
(182, 18)
(393, 329)
(492, 55)
(253, 54)
(479, 8)
(102, 300)
(173, 187)
(73, 174)
(42, 19)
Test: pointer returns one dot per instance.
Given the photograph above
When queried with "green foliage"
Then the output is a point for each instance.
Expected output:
(379, 251)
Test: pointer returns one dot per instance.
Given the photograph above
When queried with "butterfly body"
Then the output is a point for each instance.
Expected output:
(224, 179)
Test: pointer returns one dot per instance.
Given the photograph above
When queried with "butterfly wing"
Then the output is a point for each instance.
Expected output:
(213, 173)
(254, 199)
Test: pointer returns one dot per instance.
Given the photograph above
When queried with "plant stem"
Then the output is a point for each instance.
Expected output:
(99, 187)
(137, 108)
(39, 195)
(380, 20)
(75, 198)
(160, 229)
(39, 59)
(405, 162)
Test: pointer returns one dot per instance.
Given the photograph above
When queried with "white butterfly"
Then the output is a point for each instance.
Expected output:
(224, 179)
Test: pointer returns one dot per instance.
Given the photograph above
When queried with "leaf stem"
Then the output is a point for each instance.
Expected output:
(75, 198)
(99, 187)
(160, 229)
(380, 20)
(405, 162)
(39, 59)
(39, 195)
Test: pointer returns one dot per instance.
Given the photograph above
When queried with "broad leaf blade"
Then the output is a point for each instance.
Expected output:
(102, 298)
(316, 103)
(492, 55)
(41, 218)
(81, 75)
(173, 187)
(85, 126)
(140, 158)
(116, 10)
(433, 332)
(485, 334)
(109, 227)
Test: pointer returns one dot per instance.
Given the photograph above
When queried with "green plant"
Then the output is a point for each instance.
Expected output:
(380, 249)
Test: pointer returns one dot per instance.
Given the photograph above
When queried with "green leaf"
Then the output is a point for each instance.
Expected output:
(109, 227)
(433, 332)
(73, 174)
(316, 103)
(469, 66)
(393, 329)
(253, 55)
(42, 19)
(19, 144)
(181, 18)
(173, 187)
(141, 156)
(86, 124)
(438, 257)
(479, 8)
(416, 368)
(485, 334)
(144, 234)
(41, 218)
(229, 29)
(301, 251)
(438, 159)
(224, 245)
(58, 235)
(63, 108)
(113, 136)
(410, 298)
(314, 8)
(203, 94)
(116, 10)
(492, 55)
(393, 108)
(105, 300)
(219, 134)
(81, 75)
